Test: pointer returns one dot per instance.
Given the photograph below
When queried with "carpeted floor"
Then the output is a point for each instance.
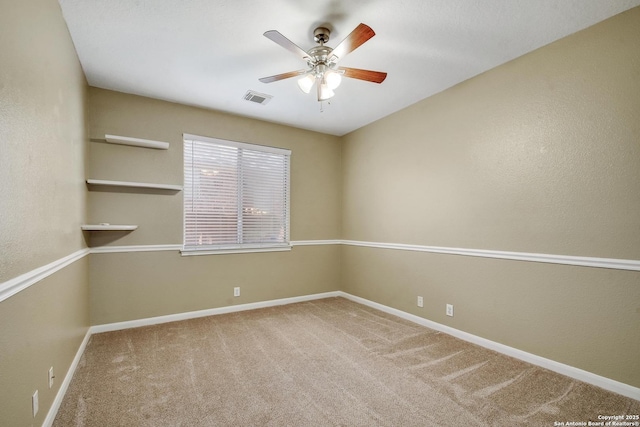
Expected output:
(328, 362)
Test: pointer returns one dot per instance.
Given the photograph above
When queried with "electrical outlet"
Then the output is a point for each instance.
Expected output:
(34, 403)
(51, 377)
(420, 302)
(236, 291)
(450, 310)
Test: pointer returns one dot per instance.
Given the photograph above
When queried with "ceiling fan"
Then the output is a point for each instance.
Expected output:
(322, 61)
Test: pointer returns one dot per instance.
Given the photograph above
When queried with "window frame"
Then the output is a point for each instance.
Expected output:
(238, 247)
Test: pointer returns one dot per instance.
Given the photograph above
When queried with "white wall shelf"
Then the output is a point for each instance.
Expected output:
(136, 142)
(108, 227)
(105, 182)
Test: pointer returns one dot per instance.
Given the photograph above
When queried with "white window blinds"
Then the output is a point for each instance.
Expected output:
(236, 196)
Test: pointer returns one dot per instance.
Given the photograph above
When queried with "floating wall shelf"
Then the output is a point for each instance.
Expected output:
(137, 142)
(134, 184)
(108, 227)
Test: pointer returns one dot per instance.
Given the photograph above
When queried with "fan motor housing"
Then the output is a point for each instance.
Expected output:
(320, 54)
(321, 35)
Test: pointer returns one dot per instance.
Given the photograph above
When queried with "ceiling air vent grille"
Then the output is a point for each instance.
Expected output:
(257, 97)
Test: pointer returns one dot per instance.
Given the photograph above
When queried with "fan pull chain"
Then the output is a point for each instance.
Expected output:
(322, 105)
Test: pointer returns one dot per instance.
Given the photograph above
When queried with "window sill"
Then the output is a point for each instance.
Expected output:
(237, 250)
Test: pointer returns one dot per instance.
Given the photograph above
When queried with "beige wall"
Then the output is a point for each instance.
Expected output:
(42, 138)
(137, 285)
(42, 203)
(539, 155)
(130, 286)
(315, 166)
(41, 327)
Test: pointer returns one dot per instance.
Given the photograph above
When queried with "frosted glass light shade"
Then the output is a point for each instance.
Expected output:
(306, 83)
(333, 79)
(324, 92)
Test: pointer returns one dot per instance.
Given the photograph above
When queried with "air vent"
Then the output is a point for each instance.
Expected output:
(257, 97)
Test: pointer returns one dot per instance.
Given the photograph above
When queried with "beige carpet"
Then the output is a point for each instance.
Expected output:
(329, 362)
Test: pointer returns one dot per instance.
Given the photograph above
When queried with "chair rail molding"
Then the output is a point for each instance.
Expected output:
(22, 282)
(17, 284)
(612, 263)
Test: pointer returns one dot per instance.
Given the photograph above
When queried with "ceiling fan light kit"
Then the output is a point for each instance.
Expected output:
(322, 61)
(326, 78)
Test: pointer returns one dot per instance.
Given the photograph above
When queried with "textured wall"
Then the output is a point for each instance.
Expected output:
(42, 138)
(139, 285)
(41, 327)
(539, 155)
(315, 166)
(130, 286)
(42, 203)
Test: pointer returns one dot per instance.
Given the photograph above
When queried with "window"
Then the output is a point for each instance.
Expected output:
(236, 196)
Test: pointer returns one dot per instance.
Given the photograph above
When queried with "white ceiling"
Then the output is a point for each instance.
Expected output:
(208, 53)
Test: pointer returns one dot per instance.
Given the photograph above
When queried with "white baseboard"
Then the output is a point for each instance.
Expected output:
(209, 312)
(561, 368)
(55, 406)
(552, 365)
(569, 371)
(57, 401)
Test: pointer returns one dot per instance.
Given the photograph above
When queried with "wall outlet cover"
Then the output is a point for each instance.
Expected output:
(450, 310)
(34, 403)
(51, 377)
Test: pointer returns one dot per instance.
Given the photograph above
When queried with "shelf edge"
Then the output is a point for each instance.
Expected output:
(134, 184)
(136, 142)
(101, 227)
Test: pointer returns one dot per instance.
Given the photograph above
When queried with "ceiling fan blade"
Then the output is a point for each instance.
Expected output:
(361, 34)
(368, 75)
(286, 43)
(282, 76)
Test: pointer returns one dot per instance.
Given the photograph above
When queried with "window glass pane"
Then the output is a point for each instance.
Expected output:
(263, 204)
